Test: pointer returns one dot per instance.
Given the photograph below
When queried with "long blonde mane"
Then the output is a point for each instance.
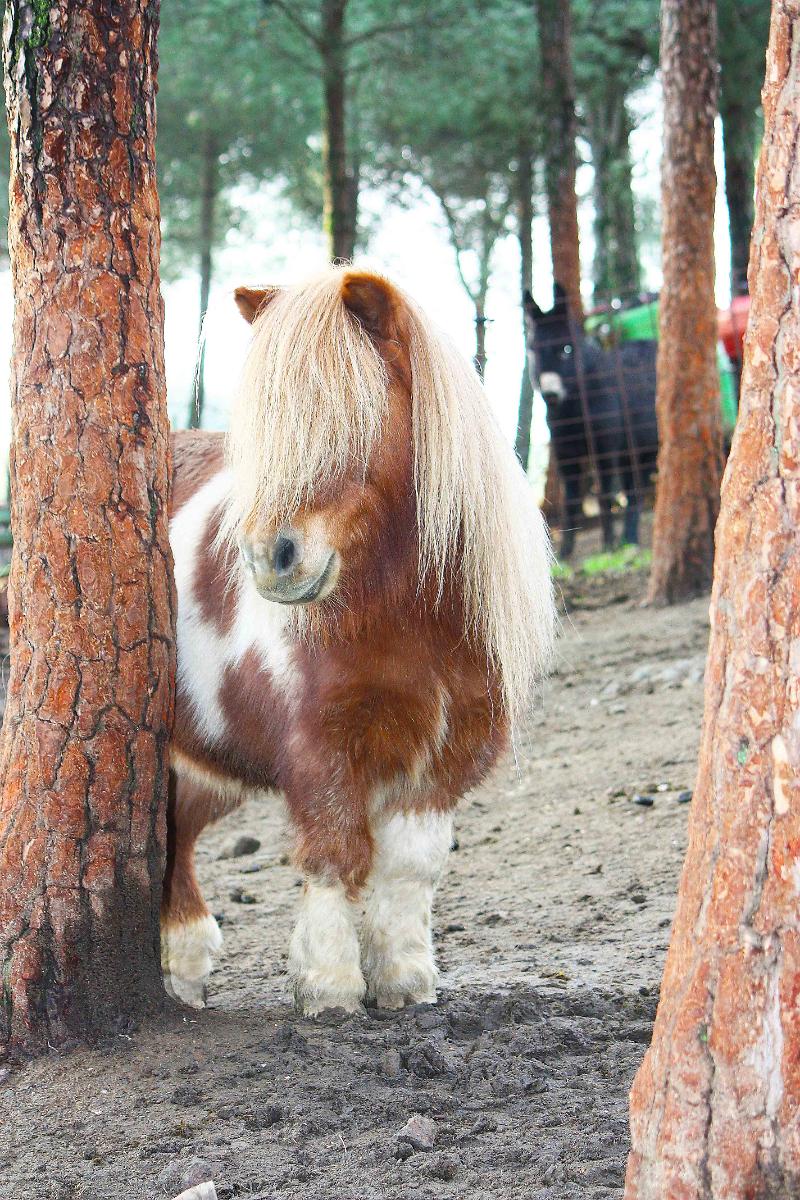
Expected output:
(312, 401)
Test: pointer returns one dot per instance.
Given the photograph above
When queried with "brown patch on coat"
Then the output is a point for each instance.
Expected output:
(212, 580)
(197, 456)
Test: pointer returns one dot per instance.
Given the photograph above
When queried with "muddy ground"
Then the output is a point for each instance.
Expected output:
(551, 927)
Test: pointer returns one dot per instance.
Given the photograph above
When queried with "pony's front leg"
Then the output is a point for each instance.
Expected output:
(397, 948)
(334, 852)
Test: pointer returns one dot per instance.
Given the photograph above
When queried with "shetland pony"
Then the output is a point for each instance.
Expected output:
(364, 602)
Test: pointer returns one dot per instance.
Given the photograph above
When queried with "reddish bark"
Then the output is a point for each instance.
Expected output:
(555, 33)
(689, 424)
(83, 758)
(715, 1108)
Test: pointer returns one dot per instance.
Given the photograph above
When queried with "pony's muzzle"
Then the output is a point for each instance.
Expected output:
(551, 385)
(285, 570)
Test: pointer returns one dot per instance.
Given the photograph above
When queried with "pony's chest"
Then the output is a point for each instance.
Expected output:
(402, 723)
(234, 651)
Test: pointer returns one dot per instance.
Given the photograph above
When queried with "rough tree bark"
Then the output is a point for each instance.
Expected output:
(715, 1108)
(555, 34)
(689, 425)
(524, 215)
(83, 757)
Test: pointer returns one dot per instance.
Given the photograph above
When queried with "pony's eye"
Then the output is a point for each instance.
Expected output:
(565, 353)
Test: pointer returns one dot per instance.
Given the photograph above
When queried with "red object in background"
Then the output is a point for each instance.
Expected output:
(731, 324)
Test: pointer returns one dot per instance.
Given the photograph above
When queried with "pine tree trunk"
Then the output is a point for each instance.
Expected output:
(714, 1108)
(339, 203)
(555, 33)
(689, 425)
(524, 213)
(739, 146)
(616, 259)
(83, 757)
(208, 203)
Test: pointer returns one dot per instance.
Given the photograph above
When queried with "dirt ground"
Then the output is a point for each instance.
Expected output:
(551, 927)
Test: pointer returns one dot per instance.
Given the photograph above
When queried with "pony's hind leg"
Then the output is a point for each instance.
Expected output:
(397, 948)
(190, 937)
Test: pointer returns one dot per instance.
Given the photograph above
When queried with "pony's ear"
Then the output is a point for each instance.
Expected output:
(530, 306)
(370, 299)
(252, 301)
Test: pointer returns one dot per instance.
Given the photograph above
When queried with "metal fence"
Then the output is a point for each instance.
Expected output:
(603, 431)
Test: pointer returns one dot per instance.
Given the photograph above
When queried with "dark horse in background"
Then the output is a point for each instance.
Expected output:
(601, 410)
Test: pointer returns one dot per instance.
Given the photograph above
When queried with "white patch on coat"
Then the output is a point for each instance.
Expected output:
(397, 949)
(228, 791)
(203, 654)
(188, 951)
(324, 961)
(551, 384)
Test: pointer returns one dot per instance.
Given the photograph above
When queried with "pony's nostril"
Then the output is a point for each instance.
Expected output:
(285, 554)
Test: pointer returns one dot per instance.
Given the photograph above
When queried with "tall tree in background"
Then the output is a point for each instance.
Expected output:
(714, 1108)
(558, 101)
(472, 138)
(84, 751)
(523, 204)
(615, 53)
(743, 30)
(689, 426)
(346, 40)
(474, 224)
(229, 118)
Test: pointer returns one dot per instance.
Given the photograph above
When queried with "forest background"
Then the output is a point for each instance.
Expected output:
(417, 135)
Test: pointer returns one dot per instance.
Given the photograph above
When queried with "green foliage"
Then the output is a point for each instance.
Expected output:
(40, 30)
(608, 562)
(743, 31)
(615, 562)
(462, 132)
(229, 118)
(615, 53)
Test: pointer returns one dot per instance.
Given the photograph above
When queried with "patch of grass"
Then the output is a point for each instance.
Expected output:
(626, 558)
(561, 570)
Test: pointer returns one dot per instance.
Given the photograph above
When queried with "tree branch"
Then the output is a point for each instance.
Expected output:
(378, 30)
(453, 231)
(307, 30)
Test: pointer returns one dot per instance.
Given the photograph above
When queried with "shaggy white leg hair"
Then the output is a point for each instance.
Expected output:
(324, 963)
(188, 950)
(397, 948)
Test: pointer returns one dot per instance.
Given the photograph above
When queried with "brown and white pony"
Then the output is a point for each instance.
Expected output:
(364, 603)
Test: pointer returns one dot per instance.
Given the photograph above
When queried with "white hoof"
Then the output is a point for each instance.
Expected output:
(316, 993)
(406, 979)
(188, 951)
(397, 949)
(324, 960)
